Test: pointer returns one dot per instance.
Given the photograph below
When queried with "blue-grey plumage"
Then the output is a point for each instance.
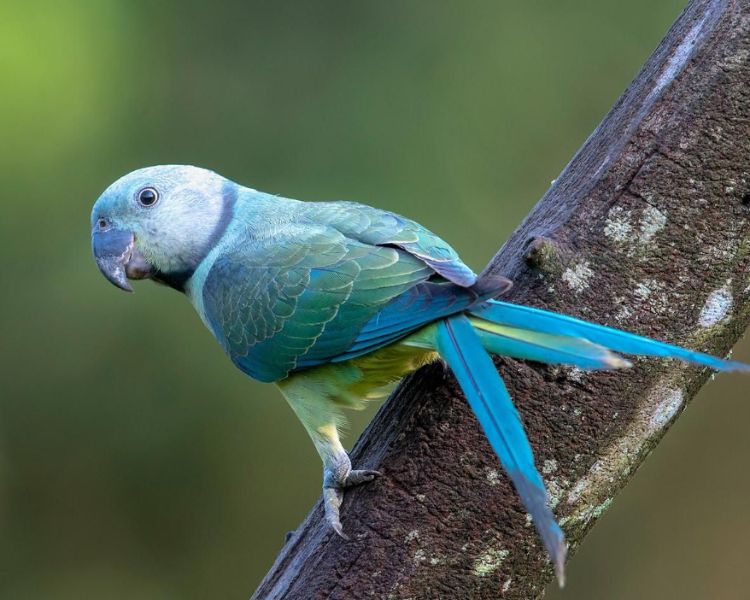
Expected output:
(335, 301)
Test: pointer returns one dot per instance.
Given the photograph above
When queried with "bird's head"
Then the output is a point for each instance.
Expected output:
(159, 222)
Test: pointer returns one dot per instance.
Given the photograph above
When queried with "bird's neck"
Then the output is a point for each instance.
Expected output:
(177, 273)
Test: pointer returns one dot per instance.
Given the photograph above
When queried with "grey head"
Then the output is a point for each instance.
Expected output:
(160, 222)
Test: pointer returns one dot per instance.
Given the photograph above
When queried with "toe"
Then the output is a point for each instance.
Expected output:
(339, 529)
(360, 476)
(332, 498)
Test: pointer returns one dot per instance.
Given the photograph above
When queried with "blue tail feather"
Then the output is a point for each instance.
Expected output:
(534, 334)
(460, 345)
(545, 347)
(535, 319)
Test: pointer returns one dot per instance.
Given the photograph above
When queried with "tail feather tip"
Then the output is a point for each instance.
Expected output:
(618, 362)
(558, 562)
(737, 366)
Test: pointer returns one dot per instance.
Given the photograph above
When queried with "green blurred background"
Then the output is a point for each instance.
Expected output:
(135, 461)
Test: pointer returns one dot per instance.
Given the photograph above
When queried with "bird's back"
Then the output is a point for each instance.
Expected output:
(294, 285)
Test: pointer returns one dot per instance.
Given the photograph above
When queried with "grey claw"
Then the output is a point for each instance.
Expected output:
(335, 480)
(360, 476)
(340, 530)
(332, 498)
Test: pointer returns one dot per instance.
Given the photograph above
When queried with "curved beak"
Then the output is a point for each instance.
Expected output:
(117, 257)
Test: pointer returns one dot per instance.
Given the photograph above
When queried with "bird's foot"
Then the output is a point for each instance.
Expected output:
(336, 478)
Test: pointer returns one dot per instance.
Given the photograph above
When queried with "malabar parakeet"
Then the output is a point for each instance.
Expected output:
(335, 301)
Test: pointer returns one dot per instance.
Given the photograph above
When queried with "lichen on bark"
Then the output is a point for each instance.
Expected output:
(646, 229)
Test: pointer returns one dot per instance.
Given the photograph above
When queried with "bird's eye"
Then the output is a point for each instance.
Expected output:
(148, 196)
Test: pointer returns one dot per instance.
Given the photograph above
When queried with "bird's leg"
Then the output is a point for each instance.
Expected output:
(337, 476)
(320, 417)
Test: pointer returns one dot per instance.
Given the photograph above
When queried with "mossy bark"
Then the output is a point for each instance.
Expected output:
(646, 229)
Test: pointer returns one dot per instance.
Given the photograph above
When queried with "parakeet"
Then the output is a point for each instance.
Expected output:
(335, 301)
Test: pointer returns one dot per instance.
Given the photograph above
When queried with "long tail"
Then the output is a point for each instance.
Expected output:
(523, 324)
(534, 334)
(461, 346)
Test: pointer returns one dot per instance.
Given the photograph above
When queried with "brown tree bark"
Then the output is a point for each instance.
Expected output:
(647, 230)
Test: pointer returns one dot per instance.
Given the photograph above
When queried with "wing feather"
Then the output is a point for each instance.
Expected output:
(335, 280)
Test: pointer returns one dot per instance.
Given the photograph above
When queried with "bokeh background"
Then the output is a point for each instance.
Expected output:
(135, 461)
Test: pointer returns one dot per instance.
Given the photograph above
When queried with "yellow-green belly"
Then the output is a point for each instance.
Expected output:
(367, 377)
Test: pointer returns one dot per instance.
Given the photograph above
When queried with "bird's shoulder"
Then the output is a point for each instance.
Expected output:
(269, 219)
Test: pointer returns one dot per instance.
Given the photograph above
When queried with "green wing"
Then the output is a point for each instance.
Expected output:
(379, 227)
(273, 305)
(300, 297)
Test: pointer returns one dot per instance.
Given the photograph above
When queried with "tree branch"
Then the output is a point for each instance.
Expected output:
(646, 229)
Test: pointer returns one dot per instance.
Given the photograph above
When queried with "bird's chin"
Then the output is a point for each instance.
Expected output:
(137, 267)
